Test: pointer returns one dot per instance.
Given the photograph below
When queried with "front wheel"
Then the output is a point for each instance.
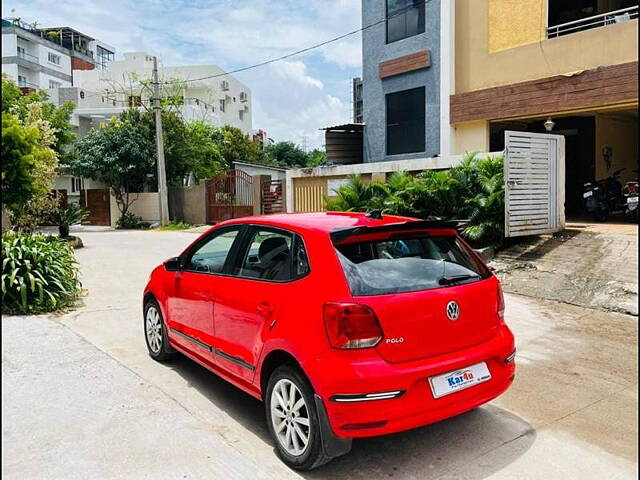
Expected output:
(292, 419)
(155, 333)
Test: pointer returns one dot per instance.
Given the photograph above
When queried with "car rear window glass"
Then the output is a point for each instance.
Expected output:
(407, 264)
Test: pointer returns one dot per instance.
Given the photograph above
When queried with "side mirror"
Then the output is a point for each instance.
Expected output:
(173, 265)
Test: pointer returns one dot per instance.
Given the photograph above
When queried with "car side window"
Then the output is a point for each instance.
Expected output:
(268, 256)
(211, 256)
(300, 260)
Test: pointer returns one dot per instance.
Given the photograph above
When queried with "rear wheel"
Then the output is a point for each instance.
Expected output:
(155, 333)
(292, 419)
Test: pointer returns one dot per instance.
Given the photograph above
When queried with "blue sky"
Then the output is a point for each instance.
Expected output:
(291, 99)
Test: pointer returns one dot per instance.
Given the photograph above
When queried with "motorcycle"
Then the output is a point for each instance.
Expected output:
(609, 196)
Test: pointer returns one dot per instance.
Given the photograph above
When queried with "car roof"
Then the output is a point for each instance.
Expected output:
(320, 221)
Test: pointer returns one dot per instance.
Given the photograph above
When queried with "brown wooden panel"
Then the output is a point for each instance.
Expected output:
(407, 63)
(601, 86)
(98, 203)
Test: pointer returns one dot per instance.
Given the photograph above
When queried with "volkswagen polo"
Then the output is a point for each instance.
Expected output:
(346, 325)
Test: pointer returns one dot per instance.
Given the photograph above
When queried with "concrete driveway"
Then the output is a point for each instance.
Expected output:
(82, 399)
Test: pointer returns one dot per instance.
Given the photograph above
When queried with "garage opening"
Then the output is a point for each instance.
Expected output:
(597, 144)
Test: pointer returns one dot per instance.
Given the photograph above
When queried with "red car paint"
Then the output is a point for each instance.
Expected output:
(244, 320)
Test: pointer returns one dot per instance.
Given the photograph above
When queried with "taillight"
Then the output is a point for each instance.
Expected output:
(350, 325)
(500, 303)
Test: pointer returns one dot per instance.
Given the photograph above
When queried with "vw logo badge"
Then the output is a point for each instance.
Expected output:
(453, 311)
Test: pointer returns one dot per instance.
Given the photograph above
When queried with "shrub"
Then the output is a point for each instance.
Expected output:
(64, 217)
(129, 220)
(176, 225)
(39, 273)
(472, 190)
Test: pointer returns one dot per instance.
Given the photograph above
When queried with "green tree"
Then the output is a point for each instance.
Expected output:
(59, 118)
(286, 154)
(10, 94)
(316, 157)
(120, 154)
(203, 150)
(19, 151)
(236, 145)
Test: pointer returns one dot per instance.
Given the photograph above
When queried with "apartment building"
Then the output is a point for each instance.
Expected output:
(401, 79)
(549, 66)
(45, 58)
(203, 92)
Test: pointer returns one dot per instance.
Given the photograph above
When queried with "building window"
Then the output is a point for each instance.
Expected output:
(77, 184)
(53, 84)
(22, 81)
(53, 58)
(405, 18)
(103, 57)
(222, 105)
(406, 121)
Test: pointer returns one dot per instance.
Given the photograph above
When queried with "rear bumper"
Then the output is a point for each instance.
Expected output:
(416, 405)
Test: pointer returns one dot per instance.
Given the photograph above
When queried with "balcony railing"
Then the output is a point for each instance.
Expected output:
(608, 18)
(27, 56)
(25, 84)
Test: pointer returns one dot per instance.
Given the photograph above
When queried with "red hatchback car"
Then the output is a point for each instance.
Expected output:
(345, 324)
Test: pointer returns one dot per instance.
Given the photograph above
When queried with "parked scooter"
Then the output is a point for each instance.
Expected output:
(609, 196)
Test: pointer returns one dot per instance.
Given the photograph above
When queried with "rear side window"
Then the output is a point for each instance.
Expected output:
(408, 264)
(274, 255)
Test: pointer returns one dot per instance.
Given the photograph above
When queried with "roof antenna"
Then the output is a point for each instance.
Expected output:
(375, 214)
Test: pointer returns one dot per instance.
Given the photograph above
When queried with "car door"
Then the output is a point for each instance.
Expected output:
(191, 304)
(254, 297)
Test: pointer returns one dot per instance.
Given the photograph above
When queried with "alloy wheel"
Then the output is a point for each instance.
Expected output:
(153, 327)
(290, 417)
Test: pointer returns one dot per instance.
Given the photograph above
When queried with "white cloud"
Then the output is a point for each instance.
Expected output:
(292, 98)
(296, 71)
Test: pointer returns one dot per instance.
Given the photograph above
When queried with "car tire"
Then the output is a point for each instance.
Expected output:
(287, 425)
(155, 333)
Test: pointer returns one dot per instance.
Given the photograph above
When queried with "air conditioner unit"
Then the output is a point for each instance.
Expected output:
(243, 97)
(225, 85)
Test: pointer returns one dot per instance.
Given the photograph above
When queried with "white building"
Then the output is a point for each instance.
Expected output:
(218, 100)
(45, 58)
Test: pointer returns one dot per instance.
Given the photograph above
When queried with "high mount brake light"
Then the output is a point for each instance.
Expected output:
(350, 325)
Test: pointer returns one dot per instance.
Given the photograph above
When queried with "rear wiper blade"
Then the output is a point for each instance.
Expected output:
(456, 278)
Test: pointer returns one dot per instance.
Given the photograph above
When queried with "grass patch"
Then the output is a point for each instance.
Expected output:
(175, 225)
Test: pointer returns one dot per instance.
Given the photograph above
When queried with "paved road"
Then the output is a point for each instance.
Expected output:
(82, 399)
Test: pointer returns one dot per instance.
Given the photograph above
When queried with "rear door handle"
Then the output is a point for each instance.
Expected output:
(265, 309)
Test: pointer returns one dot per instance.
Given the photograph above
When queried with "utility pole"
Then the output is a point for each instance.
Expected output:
(162, 173)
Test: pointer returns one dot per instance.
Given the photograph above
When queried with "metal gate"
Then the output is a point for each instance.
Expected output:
(229, 195)
(272, 197)
(534, 183)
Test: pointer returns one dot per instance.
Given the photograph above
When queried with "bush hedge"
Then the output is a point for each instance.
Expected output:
(473, 189)
(39, 273)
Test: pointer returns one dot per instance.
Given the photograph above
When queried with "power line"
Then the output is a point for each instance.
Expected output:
(313, 47)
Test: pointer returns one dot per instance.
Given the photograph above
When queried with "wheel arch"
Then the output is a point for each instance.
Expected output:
(273, 360)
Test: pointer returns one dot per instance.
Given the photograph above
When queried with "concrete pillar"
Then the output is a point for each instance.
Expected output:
(379, 177)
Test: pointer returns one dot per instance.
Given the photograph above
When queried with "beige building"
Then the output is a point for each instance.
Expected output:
(573, 65)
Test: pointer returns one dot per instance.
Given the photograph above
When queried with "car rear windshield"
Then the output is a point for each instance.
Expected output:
(407, 264)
